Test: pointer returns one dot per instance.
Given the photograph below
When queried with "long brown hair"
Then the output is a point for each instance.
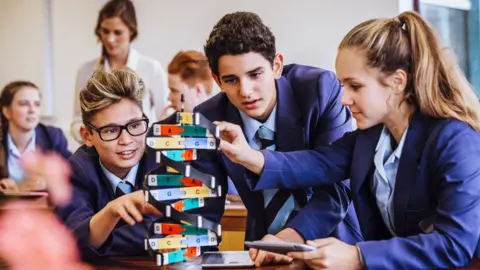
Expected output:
(122, 9)
(192, 67)
(436, 84)
(6, 98)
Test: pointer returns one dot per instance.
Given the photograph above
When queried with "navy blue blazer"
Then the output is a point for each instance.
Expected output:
(91, 193)
(309, 114)
(436, 201)
(48, 138)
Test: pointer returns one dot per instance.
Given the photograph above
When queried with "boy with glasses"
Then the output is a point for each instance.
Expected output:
(108, 171)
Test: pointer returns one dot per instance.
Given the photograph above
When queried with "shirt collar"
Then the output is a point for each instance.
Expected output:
(132, 60)
(14, 150)
(385, 141)
(251, 125)
(115, 180)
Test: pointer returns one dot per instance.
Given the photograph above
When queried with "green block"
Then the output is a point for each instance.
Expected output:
(194, 131)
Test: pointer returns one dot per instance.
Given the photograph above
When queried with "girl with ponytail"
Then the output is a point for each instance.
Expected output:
(413, 163)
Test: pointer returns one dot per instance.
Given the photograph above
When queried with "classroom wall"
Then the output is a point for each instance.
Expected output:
(47, 40)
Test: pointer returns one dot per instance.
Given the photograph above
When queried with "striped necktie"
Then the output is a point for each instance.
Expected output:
(279, 204)
(123, 188)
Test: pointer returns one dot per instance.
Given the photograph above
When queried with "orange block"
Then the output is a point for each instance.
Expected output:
(188, 155)
(170, 130)
(179, 206)
(172, 229)
(190, 252)
(190, 182)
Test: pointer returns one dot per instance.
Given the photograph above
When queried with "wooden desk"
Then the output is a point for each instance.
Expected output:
(233, 223)
(143, 263)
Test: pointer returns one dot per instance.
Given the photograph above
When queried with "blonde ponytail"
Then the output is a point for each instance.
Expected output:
(437, 85)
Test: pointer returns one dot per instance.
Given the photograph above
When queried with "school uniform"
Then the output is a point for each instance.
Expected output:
(92, 191)
(307, 114)
(46, 138)
(418, 205)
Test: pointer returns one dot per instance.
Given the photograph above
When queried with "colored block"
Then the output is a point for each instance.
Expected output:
(198, 192)
(200, 240)
(180, 255)
(192, 230)
(165, 143)
(168, 228)
(194, 131)
(171, 170)
(166, 243)
(189, 204)
(167, 130)
(181, 229)
(169, 180)
(167, 194)
(192, 252)
(185, 118)
(181, 155)
(190, 182)
(200, 143)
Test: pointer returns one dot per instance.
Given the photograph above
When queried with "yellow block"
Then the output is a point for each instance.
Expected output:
(165, 143)
(187, 118)
(167, 243)
(198, 192)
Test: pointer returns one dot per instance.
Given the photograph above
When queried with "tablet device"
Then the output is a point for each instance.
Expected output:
(226, 259)
(278, 247)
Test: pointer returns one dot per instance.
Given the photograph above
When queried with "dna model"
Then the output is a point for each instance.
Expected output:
(175, 188)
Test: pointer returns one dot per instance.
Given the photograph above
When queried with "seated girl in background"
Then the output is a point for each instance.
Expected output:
(20, 103)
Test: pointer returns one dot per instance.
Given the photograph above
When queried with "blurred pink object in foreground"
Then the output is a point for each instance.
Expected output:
(33, 238)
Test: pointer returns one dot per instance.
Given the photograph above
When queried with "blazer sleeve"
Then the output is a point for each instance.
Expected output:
(124, 240)
(335, 119)
(455, 234)
(306, 168)
(327, 207)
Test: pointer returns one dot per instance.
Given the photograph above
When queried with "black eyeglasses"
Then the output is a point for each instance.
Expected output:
(112, 132)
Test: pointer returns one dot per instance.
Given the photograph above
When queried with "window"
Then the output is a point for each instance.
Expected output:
(457, 23)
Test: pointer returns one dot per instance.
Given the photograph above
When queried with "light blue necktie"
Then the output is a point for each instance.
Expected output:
(278, 204)
(123, 188)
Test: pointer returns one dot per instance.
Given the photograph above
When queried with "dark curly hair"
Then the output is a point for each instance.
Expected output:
(239, 33)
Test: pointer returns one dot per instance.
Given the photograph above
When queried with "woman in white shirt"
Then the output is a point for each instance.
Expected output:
(116, 29)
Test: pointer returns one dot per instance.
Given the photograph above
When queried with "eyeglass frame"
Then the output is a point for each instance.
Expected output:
(122, 127)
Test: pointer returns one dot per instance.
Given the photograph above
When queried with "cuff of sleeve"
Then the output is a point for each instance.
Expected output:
(360, 255)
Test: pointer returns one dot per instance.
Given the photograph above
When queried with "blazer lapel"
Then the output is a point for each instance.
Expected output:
(41, 138)
(408, 168)
(363, 155)
(289, 135)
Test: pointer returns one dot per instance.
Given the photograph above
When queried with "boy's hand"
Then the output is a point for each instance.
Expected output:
(131, 207)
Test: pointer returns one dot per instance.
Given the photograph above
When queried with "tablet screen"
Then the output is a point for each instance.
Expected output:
(227, 259)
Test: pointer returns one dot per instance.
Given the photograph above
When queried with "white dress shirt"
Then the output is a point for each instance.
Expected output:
(152, 74)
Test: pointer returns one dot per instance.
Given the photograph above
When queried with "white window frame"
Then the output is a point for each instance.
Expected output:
(457, 4)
